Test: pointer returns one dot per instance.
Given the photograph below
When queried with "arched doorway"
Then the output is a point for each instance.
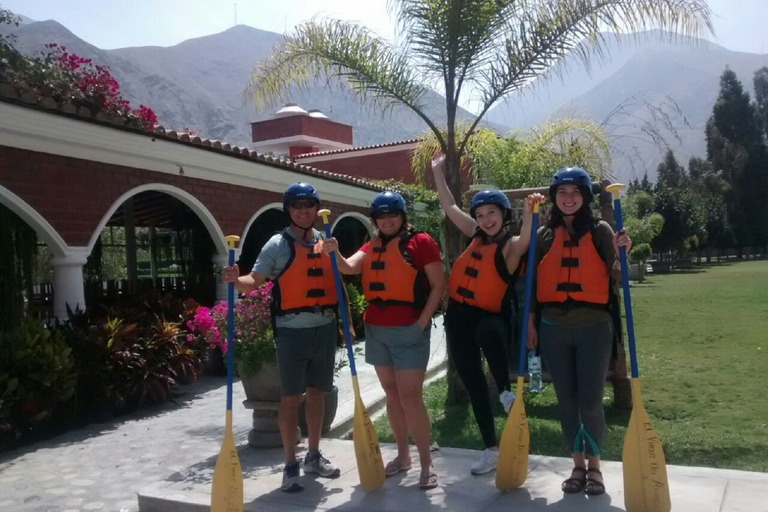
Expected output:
(267, 222)
(155, 238)
(352, 230)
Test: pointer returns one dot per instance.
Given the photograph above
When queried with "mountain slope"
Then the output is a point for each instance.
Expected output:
(661, 73)
(199, 84)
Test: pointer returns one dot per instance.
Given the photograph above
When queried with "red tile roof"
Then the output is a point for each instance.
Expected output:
(48, 104)
(358, 148)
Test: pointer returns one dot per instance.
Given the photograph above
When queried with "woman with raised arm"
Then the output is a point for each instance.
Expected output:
(481, 299)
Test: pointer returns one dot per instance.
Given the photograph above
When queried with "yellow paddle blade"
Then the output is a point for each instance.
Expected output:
(646, 488)
(370, 465)
(512, 469)
(227, 489)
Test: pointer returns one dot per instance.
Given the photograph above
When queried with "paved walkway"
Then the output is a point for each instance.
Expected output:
(166, 456)
(103, 466)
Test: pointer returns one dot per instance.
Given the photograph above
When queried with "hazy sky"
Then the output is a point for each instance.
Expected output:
(739, 24)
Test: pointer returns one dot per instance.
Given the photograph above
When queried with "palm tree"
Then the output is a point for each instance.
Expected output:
(479, 49)
(483, 48)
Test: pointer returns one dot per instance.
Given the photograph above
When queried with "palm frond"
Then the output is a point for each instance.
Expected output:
(334, 49)
(546, 31)
(480, 142)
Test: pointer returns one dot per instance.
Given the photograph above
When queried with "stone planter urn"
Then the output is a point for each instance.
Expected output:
(212, 362)
(262, 393)
(635, 272)
(329, 414)
(661, 267)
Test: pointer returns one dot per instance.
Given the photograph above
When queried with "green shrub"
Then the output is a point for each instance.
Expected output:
(37, 375)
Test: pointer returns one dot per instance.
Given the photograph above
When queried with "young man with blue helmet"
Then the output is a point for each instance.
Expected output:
(303, 308)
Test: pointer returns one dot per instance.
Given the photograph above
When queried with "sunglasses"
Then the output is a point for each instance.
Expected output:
(302, 205)
(391, 214)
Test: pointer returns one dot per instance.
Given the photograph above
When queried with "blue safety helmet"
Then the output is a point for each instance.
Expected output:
(490, 197)
(572, 176)
(299, 191)
(388, 201)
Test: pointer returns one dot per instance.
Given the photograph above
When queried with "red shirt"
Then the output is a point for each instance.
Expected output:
(423, 251)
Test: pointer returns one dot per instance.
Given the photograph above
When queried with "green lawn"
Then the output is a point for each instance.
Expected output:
(702, 340)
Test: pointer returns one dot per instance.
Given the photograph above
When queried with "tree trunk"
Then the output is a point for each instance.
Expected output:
(457, 393)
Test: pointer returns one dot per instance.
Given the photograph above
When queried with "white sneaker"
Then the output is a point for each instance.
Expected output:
(487, 463)
(507, 398)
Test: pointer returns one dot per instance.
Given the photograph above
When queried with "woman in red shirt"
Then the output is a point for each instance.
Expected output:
(403, 283)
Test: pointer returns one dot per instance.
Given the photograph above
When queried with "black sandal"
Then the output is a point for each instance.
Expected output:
(595, 485)
(575, 483)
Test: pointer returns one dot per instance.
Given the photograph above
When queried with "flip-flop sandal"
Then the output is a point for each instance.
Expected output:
(395, 466)
(595, 485)
(429, 481)
(575, 483)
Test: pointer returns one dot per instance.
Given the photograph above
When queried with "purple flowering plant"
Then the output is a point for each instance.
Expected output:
(253, 337)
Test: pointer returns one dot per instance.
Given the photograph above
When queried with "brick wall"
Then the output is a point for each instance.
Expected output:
(73, 195)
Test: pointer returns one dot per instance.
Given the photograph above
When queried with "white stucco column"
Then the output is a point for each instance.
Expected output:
(220, 261)
(68, 287)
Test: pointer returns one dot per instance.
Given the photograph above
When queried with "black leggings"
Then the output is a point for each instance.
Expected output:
(468, 331)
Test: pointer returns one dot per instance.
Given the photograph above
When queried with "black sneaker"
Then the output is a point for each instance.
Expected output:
(317, 463)
(291, 475)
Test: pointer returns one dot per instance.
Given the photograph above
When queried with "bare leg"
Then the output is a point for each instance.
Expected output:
(409, 386)
(395, 412)
(288, 419)
(314, 409)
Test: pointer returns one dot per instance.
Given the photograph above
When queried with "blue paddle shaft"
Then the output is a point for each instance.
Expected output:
(230, 332)
(625, 287)
(342, 306)
(529, 270)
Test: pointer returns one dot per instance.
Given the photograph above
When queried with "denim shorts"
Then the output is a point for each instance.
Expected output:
(305, 358)
(403, 347)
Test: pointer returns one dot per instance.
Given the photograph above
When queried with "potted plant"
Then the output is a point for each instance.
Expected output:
(254, 343)
(204, 336)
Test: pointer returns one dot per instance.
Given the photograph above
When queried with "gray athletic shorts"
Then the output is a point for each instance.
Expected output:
(405, 348)
(305, 358)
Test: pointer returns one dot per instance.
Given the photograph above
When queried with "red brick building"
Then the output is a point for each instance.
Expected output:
(69, 174)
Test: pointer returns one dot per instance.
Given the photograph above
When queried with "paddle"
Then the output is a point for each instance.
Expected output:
(646, 488)
(227, 487)
(512, 468)
(370, 465)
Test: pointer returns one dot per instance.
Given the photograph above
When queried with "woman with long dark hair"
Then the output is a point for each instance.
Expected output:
(576, 259)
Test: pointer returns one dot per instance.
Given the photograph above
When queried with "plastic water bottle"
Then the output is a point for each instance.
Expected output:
(534, 371)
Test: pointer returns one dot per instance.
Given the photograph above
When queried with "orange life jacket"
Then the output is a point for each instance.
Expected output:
(479, 276)
(306, 283)
(572, 270)
(389, 276)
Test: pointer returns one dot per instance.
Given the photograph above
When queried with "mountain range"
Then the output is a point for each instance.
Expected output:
(199, 84)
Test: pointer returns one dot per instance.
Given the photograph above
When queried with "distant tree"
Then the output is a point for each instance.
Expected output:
(644, 184)
(684, 222)
(670, 173)
(761, 100)
(735, 147)
(711, 189)
(643, 223)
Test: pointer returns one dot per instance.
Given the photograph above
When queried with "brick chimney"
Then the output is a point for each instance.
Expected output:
(294, 131)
